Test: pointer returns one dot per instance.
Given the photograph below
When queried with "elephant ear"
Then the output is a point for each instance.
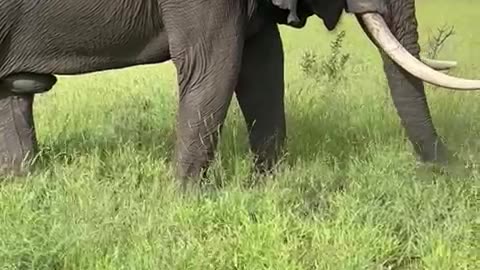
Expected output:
(291, 6)
(331, 13)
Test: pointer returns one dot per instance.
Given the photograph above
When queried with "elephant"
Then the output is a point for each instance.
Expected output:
(220, 49)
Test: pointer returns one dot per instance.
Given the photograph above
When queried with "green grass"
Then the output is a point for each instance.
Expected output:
(348, 195)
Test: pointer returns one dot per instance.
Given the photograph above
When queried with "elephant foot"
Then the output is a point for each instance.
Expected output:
(191, 174)
(18, 142)
(267, 167)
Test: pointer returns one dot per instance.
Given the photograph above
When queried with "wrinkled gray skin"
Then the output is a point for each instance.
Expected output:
(219, 48)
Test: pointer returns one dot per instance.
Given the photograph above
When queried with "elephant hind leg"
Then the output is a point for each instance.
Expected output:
(18, 143)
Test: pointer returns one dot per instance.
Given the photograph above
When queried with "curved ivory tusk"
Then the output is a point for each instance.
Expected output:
(377, 27)
(438, 64)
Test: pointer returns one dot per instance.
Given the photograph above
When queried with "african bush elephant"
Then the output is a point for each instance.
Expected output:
(219, 48)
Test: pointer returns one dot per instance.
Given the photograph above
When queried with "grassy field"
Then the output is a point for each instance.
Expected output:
(348, 195)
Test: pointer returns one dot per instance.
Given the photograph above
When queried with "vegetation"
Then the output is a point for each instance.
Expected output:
(348, 195)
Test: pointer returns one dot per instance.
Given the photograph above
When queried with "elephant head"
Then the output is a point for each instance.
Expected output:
(375, 17)
(391, 25)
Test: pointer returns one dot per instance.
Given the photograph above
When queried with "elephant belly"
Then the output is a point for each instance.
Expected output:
(68, 37)
(154, 51)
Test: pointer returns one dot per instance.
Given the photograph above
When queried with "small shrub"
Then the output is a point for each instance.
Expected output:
(437, 41)
(331, 67)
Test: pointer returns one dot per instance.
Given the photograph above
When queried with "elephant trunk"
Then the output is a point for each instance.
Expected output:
(407, 90)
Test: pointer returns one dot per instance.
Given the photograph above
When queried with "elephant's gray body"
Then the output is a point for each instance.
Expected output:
(73, 37)
(219, 48)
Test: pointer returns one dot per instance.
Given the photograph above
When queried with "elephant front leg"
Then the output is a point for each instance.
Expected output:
(207, 78)
(206, 43)
(260, 94)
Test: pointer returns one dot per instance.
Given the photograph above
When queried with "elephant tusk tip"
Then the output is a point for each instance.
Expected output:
(381, 35)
